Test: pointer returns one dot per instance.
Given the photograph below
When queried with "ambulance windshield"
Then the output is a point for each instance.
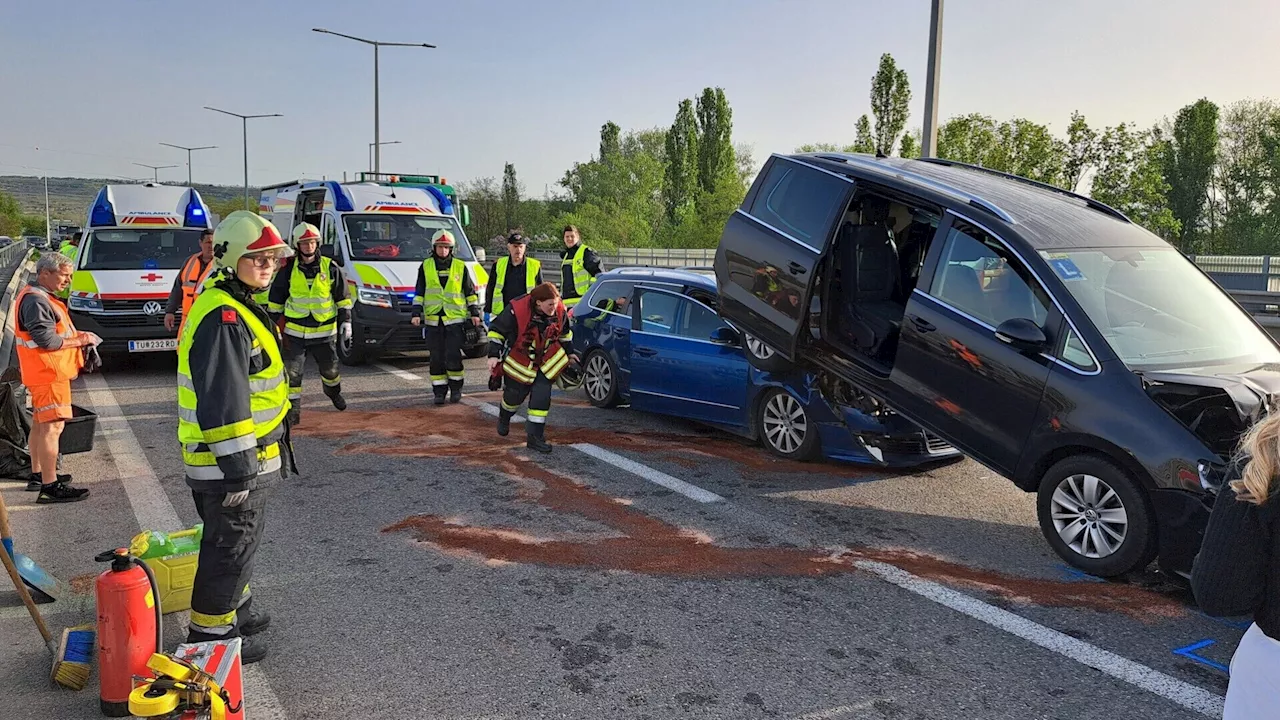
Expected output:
(389, 236)
(153, 249)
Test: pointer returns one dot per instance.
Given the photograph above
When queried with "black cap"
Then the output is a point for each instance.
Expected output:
(517, 239)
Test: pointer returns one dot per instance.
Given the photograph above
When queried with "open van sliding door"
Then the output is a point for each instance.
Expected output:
(767, 259)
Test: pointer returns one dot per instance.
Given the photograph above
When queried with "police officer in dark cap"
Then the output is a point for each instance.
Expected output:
(512, 276)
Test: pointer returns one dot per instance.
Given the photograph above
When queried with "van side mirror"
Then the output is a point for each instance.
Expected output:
(480, 254)
(1023, 334)
(726, 336)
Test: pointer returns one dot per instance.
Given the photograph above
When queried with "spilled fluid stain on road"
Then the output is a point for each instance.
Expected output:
(641, 543)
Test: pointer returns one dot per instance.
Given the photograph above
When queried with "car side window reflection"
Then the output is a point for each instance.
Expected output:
(658, 312)
(697, 322)
(981, 278)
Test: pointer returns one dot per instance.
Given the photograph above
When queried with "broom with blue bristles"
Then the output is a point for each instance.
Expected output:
(73, 655)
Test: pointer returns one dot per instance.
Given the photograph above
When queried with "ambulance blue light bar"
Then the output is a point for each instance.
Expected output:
(102, 214)
(195, 215)
(446, 206)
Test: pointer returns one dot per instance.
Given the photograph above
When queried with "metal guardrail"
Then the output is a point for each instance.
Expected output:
(643, 257)
(20, 259)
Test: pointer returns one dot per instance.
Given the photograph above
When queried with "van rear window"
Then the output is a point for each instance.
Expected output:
(159, 249)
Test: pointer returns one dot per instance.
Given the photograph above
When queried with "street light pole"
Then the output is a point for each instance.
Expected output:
(48, 234)
(244, 127)
(372, 145)
(377, 129)
(929, 138)
(189, 151)
(155, 169)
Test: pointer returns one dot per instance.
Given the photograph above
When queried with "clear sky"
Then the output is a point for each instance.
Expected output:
(98, 85)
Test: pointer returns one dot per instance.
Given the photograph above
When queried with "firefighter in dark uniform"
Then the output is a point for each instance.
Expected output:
(513, 276)
(233, 398)
(534, 334)
(446, 293)
(579, 266)
(310, 291)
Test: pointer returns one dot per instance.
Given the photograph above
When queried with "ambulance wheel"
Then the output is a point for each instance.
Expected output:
(351, 352)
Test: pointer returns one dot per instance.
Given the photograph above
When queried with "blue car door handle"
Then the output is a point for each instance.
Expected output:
(645, 352)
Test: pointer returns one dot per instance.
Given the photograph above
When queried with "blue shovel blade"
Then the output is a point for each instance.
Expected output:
(45, 587)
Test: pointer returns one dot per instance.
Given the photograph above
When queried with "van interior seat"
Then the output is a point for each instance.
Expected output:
(870, 274)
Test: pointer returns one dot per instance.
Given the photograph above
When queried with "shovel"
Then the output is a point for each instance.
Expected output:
(45, 588)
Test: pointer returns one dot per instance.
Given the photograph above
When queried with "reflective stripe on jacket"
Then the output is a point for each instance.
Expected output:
(252, 437)
(575, 258)
(40, 366)
(311, 298)
(531, 268)
(448, 300)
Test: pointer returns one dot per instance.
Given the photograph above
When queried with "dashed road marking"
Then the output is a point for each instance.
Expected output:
(154, 510)
(835, 712)
(1137, 674)
(693, 492)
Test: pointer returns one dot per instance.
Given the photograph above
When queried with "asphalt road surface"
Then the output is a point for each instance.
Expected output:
(422, 567)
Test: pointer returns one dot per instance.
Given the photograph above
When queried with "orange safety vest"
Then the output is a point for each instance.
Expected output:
(532, 350)
(192, 276)
(44, 367)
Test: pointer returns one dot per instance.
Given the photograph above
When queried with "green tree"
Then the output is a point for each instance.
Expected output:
(910, 146)
(1080, 152)
(1189, 158)
(1017, 146)
(33, 224)
(968, 139)
(1130, 178)
(715, 139)
(618, 203)
(609, 140)
(511, 192)
(890, 103)
(680, 178)
(1242, 185)
(10, 216)
(863, 140)
(488, 217)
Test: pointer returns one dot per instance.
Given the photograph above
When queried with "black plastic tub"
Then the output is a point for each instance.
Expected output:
(77, 434)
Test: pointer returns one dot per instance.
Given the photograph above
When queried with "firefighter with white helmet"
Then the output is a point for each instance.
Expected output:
(447, 298)
(310, 292)
(233, 399)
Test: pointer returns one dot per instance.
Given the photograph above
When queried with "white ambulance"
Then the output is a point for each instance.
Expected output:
(380, 234)
(135, 242)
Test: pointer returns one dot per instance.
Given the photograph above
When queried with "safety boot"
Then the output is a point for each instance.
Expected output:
(294, 416)
(504, 421)
(250, 622)
(455, 391)
(535, 437)
(335, 396)
(440, 392)
(252, 649)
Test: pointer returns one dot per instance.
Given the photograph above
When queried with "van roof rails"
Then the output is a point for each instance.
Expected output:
(934, 183)
(1095, 204)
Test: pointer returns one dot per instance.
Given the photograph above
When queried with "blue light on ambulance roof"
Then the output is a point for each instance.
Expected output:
(341, 202)
(446, 206)
(195, 216)
(102, 214)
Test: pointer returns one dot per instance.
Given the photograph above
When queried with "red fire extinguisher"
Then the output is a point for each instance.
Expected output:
(129, 629)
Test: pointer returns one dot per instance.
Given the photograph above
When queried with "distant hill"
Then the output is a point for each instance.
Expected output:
(70, 197)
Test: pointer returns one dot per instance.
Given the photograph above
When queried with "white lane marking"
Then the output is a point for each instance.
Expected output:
(78, 604)
(154, 510)
(693, 492)
(484, 407)
(1153, 681)
(835, 712)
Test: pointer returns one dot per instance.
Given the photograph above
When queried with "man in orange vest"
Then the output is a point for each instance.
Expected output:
(50, 356)
(187, 282)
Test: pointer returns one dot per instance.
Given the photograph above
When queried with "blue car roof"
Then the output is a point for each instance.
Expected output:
(670, 275)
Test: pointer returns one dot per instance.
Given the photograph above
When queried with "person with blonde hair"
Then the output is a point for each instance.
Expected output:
(1238, 570)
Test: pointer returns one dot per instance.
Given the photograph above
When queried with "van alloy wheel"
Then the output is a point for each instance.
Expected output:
(598, 378)
(757, 348)
(1089, 516)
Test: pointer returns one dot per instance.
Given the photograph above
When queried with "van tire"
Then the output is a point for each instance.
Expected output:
(763, 357)
(353, 355)
(1114, 492)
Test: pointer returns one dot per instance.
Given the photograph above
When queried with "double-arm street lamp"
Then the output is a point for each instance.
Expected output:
(189, 151)
(244, 124)
(155, 169)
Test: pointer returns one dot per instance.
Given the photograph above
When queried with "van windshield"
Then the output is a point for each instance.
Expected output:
(1156, 310)
(386, 236)
(158, 249)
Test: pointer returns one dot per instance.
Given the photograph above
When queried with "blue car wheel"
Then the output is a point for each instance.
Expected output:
(785, 427)
(600, 380)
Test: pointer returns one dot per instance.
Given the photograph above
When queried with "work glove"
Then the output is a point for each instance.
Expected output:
(344, 332)
(235, 499)
(92, 360)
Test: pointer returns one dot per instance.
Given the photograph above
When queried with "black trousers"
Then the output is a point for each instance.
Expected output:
(230, 541)
(325, 352)
(445, 344)
(539, 394)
